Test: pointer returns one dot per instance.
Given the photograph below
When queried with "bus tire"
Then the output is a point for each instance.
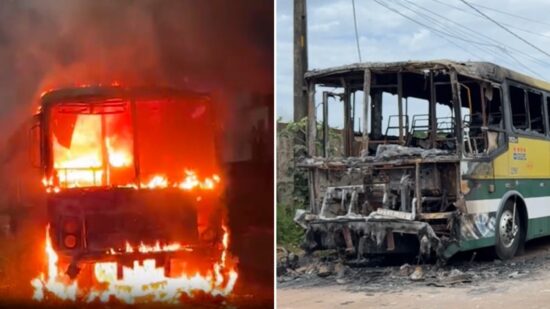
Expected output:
(508, 235)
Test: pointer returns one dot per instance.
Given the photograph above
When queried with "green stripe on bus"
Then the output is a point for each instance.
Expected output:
(538, 227)
(479, 188)
(477, 243)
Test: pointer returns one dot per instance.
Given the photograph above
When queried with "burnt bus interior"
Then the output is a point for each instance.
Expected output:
(413, 109)
(115, 140)
(401, 155)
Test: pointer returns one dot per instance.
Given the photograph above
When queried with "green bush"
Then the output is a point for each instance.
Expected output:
(288, 232)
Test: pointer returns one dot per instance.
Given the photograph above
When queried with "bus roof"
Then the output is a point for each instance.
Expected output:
(331, 77)
(93, 93)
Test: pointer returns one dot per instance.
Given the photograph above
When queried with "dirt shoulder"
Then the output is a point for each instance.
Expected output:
(523, 282)
(532, 293)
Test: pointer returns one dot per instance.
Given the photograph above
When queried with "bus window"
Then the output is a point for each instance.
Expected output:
(536, 118)
(495, 139)
(494, 109)
(519, 112)
(548, 111)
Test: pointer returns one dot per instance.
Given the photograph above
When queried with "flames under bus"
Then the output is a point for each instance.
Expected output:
(438, 157)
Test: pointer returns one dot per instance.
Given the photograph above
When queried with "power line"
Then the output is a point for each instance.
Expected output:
(499, 46)
(491, 9)
(436, 31)
(527, 31)
(356, 33)
(432, 28)
(526, 55)
(505, 29)
(511, 14)
(506, 24)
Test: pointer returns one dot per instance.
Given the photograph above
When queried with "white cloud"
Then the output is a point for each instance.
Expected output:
(417, 41)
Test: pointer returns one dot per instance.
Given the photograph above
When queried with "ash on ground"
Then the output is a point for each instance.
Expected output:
(296, 270)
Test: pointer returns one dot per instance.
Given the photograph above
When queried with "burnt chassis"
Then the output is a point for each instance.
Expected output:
(358, 229)
(107, 218)
(361, 228)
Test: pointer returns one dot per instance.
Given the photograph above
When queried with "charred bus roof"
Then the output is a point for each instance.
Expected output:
(332, 77)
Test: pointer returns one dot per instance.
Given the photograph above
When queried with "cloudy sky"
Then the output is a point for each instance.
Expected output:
(386, 36)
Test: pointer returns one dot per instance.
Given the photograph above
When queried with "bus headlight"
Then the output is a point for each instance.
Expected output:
(70, 241)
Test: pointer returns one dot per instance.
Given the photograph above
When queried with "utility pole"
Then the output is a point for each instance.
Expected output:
(300, 59)
(300, 92)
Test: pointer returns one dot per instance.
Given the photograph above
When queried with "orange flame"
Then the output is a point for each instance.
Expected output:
(143, 282)
(53, 281)
(143, 248)
(190, 182)
(117, 158)
(91, 158)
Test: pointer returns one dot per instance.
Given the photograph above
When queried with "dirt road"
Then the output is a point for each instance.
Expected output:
(523, 282)
(523, 294)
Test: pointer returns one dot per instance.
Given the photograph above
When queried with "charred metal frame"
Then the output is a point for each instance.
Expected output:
(432, 217)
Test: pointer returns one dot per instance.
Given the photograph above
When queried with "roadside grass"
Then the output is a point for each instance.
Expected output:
(289, 234)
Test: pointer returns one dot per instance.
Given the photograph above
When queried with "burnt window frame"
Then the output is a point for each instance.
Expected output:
(526, 88)
(546, 107)
(496, 126)
(511, 109)
(503, 89)
(541, 102)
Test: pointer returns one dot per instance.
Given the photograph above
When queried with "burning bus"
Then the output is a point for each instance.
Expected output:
(438, 157)
(134, 195)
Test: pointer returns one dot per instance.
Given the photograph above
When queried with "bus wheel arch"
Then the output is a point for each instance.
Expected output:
(509, 237)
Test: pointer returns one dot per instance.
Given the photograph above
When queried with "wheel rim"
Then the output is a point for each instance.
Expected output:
(507, 228)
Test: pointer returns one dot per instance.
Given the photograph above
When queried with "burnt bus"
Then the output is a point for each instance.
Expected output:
(131, 174)
(437, 157)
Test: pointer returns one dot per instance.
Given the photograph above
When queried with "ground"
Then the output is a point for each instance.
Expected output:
(480, 282)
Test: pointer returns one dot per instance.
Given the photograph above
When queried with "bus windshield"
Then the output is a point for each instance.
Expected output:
(152, 143)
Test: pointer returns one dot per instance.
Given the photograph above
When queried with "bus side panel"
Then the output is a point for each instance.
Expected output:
(529, 167)
(528, 158)
(524, 167)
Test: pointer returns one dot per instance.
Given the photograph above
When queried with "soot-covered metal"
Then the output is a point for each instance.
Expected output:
(414, 134)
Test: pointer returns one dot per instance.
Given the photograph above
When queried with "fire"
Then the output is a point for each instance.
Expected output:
(143, 282)
(81, 163)
(157, 181)
(94, 146)
(89, 157)
(190, 182)
(114, 143)
(117, 158)
(143, 248)
(52, 281)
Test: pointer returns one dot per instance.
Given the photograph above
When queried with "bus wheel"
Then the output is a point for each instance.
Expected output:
(508, 233)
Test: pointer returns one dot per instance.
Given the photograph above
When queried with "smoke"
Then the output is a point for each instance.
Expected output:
(221, 47)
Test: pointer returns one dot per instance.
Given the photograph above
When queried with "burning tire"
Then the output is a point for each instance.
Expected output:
(509, 231)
